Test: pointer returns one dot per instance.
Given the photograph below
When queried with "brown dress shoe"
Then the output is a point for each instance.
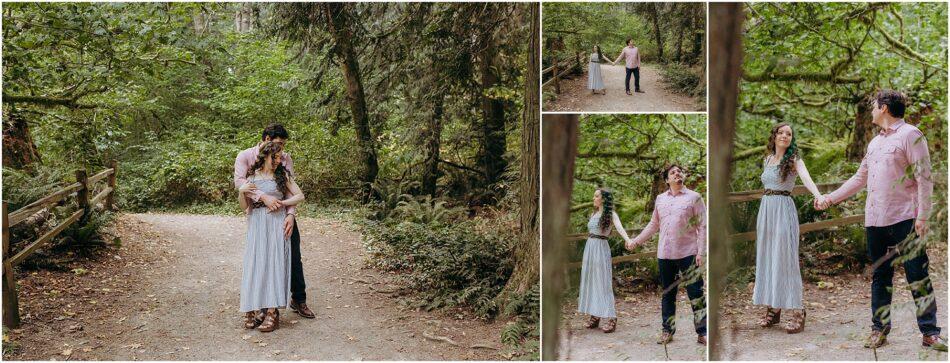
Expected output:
(701, 339)
(934, 341)
(665, 338)
(271, 321)
(876, 339)
(302, 309)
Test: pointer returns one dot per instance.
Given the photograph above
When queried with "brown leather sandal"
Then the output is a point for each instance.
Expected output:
(271, 321)
(771, 317)
(252, 319)
(610, 326)
(797, 323)
(592, 323)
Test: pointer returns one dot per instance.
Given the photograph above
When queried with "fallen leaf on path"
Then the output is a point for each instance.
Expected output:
(246, 337)
(262, 344)
(67, 352)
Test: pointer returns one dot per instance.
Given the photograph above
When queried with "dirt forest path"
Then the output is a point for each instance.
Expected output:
(575, 97)
(838, 321)
(177, 295)
(638, 327)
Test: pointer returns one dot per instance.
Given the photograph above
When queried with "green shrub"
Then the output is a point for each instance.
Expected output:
(462, 264)
(683, 79)
(426, 210)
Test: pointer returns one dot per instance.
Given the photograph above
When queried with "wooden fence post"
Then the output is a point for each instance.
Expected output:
(557, 83)
(11, 307)
(110, 202)
(82, 195)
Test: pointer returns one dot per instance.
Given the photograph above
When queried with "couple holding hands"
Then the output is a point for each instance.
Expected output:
(595, 78)
(679, 215)
(896, 172)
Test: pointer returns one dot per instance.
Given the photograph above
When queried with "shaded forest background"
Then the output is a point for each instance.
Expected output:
(418, 119)
(814, 66)
(669, 34)
(626, 154)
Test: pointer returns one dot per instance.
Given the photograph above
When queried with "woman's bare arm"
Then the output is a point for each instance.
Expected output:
(296, 195)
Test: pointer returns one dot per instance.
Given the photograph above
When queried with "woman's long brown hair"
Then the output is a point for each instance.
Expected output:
(787, 165)
(271, 150)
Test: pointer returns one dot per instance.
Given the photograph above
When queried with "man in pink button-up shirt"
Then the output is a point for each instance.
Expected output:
(896, 171)
(632, 56)
(242, 163)
(680, 216)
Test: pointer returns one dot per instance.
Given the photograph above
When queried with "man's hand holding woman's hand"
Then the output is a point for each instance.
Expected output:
(630, 245)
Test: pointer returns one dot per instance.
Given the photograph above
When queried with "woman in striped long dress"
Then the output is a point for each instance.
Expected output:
(265, 282)
(596, 297)
(778, 278)
(595, 78)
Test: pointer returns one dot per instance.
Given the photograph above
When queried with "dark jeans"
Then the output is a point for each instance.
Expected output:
(880, 240)
(670, 271)
(298, 287)
(636, 78)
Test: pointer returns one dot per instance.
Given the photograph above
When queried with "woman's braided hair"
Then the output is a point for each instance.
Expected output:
(608, 209)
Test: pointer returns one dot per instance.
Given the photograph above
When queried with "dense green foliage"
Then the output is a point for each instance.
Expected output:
(813, 65)
(174, 91)
(626, 154)
(668, 33)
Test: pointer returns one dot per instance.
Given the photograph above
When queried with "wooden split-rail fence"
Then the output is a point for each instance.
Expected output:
(750, 195)
(740, 197)
(82, 188)
(559, 69)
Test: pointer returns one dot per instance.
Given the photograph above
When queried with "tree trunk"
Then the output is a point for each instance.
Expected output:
(200, 21)
(433, 140)
(493, 115)
(342, 35)
(245, 18)
(19, 151)
(726, 51)
(560, 150)
(699, 33)
(862, 132)
(656, 187)
(658, 36)
(684, 25)
(527, 254)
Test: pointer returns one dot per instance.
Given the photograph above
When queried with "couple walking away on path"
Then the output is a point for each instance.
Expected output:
(896, 206)
(273, 272)
(679, 215)
(595, 78)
